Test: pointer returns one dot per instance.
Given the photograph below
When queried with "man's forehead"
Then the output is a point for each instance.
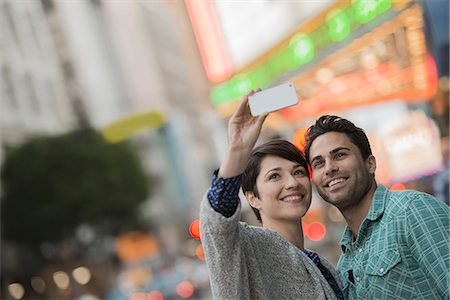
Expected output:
(330, 142)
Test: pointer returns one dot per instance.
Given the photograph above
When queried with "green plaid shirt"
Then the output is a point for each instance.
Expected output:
(402, 249)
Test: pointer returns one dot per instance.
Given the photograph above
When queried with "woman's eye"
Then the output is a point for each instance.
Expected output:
(274, 176)
(299, 172)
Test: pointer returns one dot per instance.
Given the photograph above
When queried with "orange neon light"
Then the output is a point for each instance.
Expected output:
(357, 89)
(216, 60)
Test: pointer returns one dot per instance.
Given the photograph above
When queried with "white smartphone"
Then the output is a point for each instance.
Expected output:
(278, 97)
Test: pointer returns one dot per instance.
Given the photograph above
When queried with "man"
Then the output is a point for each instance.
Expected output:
(396, 244)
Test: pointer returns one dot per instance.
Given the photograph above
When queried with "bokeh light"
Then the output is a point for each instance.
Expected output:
(138, 296)
(82, 275)
(303, 48)
(316, 231)
(38, 284)
(338, 25)
(199, 252)
(398, 187)
(185, 289)
(16, 290)
(61, 280)
(194, 229)
(155, 295)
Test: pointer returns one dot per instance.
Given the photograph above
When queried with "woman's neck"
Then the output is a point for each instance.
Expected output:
(291, 231)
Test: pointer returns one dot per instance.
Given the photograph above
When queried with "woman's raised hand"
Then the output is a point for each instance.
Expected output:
(243, 132)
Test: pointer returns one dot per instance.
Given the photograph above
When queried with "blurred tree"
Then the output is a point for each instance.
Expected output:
(53, 184)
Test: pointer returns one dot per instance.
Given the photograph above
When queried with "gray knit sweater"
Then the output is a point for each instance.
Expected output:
(248, 262)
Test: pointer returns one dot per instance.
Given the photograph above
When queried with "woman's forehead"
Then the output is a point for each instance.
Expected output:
(276, 162)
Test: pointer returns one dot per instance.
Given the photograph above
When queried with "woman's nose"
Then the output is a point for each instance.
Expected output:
(291, 182)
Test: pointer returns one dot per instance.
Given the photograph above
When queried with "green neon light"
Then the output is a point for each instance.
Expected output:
(301, 49)
(338, 25)
(364, 10)
(383, 5)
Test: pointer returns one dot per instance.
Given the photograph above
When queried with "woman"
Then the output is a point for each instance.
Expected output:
(267, 262)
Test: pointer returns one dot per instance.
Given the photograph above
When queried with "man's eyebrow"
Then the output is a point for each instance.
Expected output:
(331, 152)
(339, 149)
(316, 158)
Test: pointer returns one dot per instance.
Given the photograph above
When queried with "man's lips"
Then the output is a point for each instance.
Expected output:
(335, 183)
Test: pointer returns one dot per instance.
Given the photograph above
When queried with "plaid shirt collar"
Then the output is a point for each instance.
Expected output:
(376, 210)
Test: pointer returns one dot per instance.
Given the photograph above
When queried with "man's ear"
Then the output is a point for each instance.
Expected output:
(252, 200)
(371, 164)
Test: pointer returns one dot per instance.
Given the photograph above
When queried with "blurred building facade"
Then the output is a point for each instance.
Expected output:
(34, 97)
(71, 63)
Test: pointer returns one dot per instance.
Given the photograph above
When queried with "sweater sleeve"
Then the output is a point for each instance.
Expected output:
(223, 196)
(221, 241)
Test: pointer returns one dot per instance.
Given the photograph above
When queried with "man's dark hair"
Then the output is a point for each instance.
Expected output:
(277, 147)
(329, 123)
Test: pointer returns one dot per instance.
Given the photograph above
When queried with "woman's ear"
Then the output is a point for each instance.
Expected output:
(252, 200)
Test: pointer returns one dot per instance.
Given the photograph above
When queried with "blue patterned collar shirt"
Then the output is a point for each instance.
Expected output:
(402, 249)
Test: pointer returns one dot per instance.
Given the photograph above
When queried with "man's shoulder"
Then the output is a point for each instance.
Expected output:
(406, 200)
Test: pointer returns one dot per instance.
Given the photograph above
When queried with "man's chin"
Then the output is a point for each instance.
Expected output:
(332, 199)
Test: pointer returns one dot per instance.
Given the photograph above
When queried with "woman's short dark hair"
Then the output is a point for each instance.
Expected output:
(277, 147)
(329, 123)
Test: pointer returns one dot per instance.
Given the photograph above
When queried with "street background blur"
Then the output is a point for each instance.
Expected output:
(113, 117)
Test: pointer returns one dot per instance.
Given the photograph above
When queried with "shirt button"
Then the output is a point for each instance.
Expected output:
(382, 270)
(357, 278)
(360, 249)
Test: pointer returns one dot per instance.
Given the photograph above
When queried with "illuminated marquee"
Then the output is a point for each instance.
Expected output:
(389, 62)
(312, 37)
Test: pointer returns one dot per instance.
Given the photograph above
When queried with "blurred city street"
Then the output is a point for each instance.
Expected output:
(113, 118)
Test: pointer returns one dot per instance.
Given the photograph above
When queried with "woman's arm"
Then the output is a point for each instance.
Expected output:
(243, 132)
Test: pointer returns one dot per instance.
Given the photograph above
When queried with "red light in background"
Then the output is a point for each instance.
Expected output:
(398, 187)
(155, 295)
(316, 231)
(137, 296)
(199, 252)
(194, 229)
(299, 139)
(207, 31)
(184, 289)
(305, 226)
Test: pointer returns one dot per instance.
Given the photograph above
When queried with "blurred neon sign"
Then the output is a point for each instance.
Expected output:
(404, 142)
(333, 25)
(389, 62)
(216, 60)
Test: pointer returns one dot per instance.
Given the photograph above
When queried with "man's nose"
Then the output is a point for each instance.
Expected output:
(330, 167)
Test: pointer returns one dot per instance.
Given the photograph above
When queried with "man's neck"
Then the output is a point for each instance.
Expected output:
(355, 214)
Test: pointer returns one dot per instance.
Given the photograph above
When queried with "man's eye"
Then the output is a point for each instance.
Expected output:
(317, 164)
(340, 155)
